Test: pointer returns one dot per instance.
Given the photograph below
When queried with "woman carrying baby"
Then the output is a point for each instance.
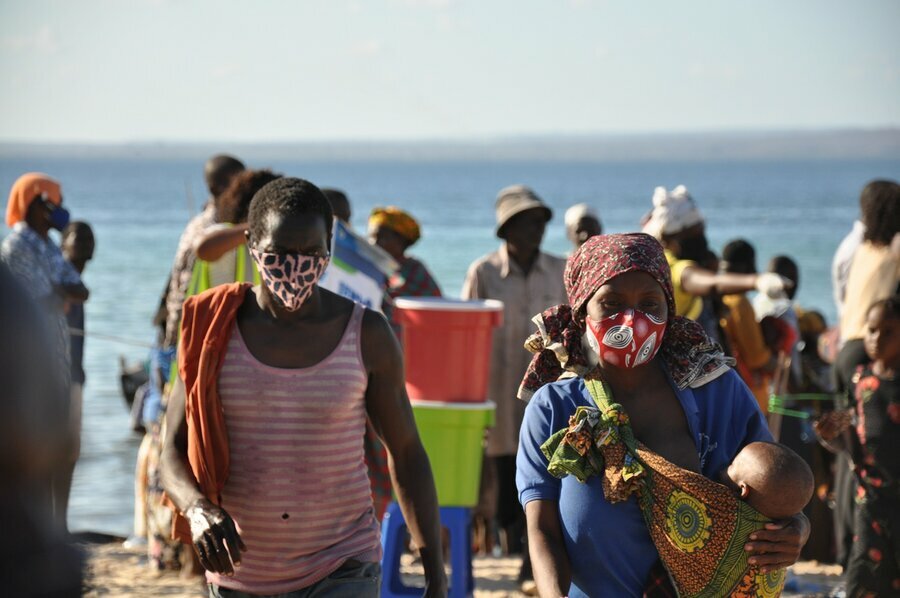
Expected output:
(677, 397)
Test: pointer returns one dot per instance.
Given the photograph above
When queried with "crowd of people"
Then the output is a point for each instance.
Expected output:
(647, 407)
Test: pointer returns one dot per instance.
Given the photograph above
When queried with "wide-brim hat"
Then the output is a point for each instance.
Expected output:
(516, 199)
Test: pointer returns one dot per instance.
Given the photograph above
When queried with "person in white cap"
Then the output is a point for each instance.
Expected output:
(678, 225)
(528, 281)
(582, 223)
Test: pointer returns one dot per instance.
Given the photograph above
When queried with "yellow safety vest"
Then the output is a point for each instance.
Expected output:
(200, 276)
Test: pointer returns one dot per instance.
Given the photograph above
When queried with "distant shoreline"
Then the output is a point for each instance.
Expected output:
(813, 145)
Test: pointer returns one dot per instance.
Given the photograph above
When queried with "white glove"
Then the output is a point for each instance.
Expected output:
(772, 285)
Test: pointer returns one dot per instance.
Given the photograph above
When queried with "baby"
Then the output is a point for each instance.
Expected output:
(771, 478)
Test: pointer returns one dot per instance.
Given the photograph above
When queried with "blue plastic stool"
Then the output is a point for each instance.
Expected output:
(457, 521)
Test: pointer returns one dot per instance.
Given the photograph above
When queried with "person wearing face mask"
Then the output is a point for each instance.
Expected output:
(263, 451)
(34, 208)
(676, 222)
(684, 401)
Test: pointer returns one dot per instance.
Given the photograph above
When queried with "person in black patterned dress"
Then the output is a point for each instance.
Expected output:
(873, 567)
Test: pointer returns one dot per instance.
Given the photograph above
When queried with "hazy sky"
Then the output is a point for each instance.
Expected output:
(196, 70)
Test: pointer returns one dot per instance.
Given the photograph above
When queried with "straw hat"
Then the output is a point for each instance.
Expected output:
(514, 200)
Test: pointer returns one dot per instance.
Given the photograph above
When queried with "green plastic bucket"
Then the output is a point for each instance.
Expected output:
(453, 436)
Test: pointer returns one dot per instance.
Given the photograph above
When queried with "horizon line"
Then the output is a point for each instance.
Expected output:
(449, 139)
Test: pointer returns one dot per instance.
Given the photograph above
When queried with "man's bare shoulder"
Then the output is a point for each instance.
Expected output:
(379, 345)
(375, 326)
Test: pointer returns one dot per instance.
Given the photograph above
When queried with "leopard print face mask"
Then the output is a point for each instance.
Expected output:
(290, 277)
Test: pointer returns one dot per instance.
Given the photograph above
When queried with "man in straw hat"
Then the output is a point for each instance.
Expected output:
(527, 280)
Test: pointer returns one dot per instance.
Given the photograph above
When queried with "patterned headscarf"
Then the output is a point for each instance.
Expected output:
(25, 189)
(690, 356)
(397, 220)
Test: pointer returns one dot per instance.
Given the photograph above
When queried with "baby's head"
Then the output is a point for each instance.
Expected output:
(772, 478)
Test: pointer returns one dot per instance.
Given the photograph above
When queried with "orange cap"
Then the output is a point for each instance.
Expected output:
(25, 189)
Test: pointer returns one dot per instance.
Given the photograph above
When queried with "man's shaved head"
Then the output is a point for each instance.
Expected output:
(779, 483)
(218, 172)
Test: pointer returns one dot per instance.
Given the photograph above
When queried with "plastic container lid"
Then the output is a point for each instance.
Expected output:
(444, 304)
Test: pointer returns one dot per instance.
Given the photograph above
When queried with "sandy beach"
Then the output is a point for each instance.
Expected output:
(113, 570)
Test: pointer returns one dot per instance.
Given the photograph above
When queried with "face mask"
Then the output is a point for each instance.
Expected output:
(59, 216)
(627, 339)
(290, 277)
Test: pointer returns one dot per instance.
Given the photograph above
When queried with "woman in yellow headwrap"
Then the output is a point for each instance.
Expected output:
(395, 231)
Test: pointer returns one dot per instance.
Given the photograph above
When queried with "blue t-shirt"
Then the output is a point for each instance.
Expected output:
(609, 547)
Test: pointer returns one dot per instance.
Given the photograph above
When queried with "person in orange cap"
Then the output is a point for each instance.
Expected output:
(34, 207)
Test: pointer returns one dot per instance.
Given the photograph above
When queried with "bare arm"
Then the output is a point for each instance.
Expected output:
(700, 281)
(549, 560)
(177, 480)
(215, 538)
(217, 243)
(389, 409)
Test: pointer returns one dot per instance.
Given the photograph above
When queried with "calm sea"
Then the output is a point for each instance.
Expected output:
(139, 207)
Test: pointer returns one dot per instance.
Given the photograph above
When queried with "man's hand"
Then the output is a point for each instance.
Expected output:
(215, 538)
(778, 544)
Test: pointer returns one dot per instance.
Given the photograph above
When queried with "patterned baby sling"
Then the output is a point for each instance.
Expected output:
(699, 527)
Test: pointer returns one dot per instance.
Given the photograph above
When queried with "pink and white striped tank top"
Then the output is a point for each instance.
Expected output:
(298, 488)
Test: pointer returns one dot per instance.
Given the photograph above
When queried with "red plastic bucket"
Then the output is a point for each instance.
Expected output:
(447, 347)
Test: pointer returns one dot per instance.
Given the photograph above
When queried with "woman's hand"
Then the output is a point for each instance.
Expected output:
(831, 424)
(778, 544)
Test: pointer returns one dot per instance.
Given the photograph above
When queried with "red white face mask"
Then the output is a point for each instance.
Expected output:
(627, 339)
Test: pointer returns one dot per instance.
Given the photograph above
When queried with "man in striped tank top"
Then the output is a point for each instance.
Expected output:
(263, 454)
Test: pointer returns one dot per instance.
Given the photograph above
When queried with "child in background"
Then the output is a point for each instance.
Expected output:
(78, 249)
(874, 563)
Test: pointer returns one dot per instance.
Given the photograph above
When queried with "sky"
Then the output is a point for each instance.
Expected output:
(200, 70)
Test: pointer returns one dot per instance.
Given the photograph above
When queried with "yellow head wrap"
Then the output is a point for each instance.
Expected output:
(397, 220)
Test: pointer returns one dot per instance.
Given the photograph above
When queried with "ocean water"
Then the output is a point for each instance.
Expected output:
(138, 208)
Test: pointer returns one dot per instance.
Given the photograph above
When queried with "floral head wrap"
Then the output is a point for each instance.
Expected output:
(397, 220)
(690, 356)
